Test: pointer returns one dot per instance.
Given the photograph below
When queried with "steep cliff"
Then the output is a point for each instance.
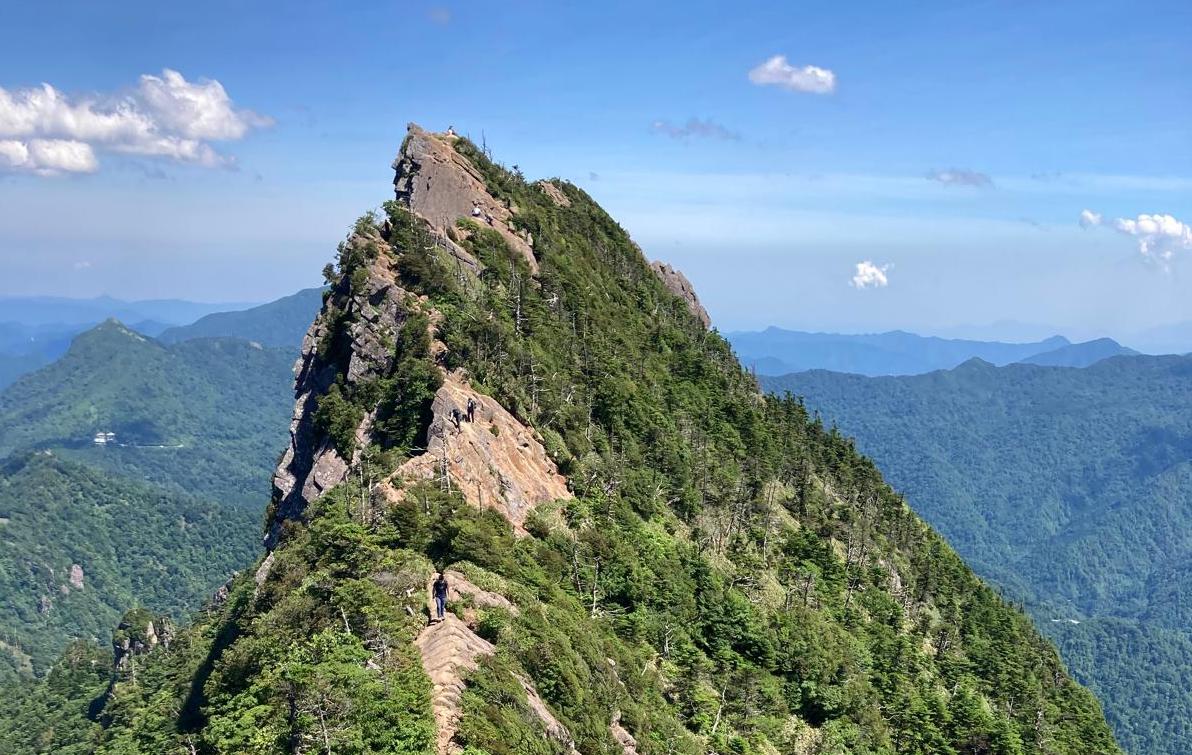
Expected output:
(645, 554)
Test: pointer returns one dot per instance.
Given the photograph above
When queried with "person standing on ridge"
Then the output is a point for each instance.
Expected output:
(471, 409)
(440, 592)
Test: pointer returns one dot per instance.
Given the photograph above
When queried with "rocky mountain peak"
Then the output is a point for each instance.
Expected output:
(495, 461)
(440, 185)
(677, 284)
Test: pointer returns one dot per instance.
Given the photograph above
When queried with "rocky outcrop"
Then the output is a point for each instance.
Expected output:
(677, 284)
(622, 736)
(553, 727)
(138, 633)
(494, 461)
(450, 650)
(311, 465)
(552, 190)
(442, 186)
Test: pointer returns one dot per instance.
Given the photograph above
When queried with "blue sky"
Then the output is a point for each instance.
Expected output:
(950, 151)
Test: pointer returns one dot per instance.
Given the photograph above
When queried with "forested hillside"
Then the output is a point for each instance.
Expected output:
(78, 547)
(161, 514)
(1067, 487)
(645, 554)
(205, 417)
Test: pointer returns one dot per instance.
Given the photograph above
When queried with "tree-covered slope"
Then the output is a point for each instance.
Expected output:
(646, 555)
(278, 323)
(205, 417)
(1069, 487)
(78, 547)
(162, 515)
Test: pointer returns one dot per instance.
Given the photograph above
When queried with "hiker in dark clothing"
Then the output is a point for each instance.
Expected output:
(455, 415)
(471, 410)
(440, 592)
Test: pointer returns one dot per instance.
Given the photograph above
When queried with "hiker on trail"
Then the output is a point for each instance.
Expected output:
(476, 211)
(455, 415)
(440, 593)
(471, 409)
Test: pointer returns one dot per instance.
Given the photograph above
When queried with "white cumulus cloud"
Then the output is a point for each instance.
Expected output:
(1160, 237)
(777, 71)
(47, 157)
(45, 131)
(869, 275)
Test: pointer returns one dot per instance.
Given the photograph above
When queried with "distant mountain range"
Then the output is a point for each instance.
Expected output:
(34, 331)
(775, 351)
(54, 310)
(278, 323)
(1071, 489)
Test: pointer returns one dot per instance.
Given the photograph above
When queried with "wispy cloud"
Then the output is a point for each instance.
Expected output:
(695, 128)
(960, 177)
(46, 132)
(439, 15)
(869, 275)
(777, 71)
(1088, 218)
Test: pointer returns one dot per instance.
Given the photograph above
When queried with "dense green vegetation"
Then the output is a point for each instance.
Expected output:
(160, 518)
(1067, 487)
(731, 577)
(205, 417)
(133, 544)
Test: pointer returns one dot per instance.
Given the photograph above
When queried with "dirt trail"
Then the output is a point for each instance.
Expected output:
(451, 650)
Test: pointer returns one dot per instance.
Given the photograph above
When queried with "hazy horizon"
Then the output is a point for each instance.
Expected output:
(935, 169)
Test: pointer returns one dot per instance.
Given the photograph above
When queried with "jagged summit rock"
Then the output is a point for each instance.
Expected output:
(677, 284)
(440, 185)
(507, 468)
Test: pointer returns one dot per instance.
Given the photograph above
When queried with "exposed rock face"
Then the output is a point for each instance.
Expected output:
(311, 466)
(138, 633)
(76, 576)
(678, 285)
(450, 649)
(494, 461)
(626, 741)
(552, 190)
(439, 186)
(438, 183)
